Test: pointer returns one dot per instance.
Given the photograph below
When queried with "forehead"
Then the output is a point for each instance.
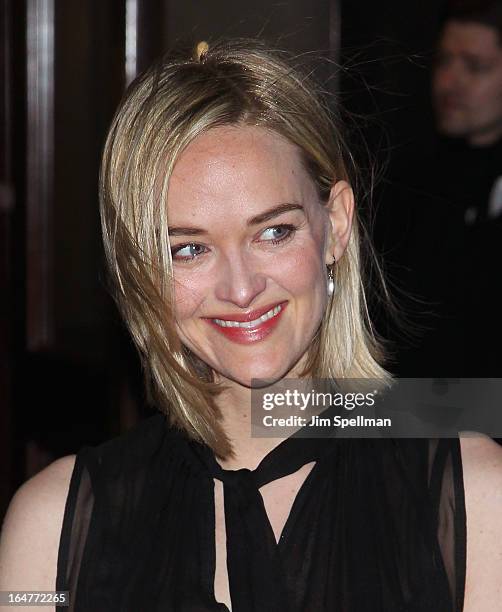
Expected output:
(241, 165)
(470, 38)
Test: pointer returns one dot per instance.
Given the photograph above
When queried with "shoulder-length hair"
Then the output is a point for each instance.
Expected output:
(236, 82)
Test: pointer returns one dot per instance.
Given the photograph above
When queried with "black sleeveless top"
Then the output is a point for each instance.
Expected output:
(378, 525)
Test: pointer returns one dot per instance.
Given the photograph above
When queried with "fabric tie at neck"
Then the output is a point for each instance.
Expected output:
(253, 556)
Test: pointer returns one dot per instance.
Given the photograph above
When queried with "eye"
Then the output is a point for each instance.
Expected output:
(278, 233)
(477, 66)
(187, 252)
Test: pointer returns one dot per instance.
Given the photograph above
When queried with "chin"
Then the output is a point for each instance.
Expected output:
(261, 374)
(451, 129)
(257, 378)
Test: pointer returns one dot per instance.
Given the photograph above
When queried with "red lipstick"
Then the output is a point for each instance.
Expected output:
(249, 334)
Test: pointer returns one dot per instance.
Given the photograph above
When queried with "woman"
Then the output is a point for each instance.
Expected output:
(233, 247)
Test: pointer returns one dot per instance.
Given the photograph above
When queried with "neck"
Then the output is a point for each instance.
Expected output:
(235, 406)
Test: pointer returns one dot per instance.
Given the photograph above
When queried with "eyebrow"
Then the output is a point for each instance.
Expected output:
(469, 56)
(473, 57)
(263, 217)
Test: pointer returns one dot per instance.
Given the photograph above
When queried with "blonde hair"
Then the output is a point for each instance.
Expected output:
(236, 82)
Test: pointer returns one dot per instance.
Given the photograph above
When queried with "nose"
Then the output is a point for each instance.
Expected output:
(239, 281)
(448, 78)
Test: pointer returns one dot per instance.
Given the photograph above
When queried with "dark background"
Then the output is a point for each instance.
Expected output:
(68, 373)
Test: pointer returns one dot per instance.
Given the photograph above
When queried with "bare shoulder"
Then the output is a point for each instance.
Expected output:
(478, 448)
(32, 527)
(482, 468)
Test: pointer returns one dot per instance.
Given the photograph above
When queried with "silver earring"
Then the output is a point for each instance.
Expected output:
(331, 280)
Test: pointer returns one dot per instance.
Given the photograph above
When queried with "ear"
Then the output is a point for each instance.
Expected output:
(340, 208)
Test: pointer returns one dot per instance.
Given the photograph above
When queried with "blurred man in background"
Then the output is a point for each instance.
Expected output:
(467, 100)
(442, 208)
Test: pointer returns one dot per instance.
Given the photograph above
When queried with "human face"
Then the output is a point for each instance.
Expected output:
(467, 83)
(249, 237)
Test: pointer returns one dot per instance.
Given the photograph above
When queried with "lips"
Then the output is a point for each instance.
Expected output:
(246, 328)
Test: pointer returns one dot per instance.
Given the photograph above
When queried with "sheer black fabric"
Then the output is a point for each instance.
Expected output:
(378, 525)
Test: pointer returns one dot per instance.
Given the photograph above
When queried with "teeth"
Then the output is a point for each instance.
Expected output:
(250, 324)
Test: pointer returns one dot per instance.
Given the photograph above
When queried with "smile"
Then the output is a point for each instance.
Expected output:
(250, 327)
(273, 312)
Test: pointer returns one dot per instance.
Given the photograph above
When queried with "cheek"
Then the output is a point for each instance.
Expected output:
(436, 83)
(496, 95)
(189, 293)
(302, 276)
(488, 93)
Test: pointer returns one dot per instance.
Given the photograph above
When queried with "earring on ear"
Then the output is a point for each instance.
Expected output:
(331, 278)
